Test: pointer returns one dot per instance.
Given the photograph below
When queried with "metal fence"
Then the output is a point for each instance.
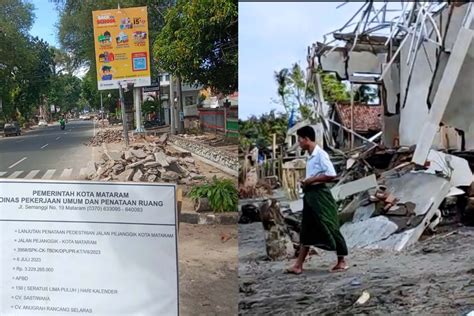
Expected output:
(223, 120)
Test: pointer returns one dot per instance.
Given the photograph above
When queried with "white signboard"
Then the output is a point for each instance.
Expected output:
(87, 248)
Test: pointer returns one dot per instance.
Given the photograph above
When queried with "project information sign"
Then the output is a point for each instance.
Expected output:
(121, 47)
(87, 248)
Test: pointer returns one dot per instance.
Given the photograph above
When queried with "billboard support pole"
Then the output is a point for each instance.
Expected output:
(138, 110)
(124, 119)
(172, 110)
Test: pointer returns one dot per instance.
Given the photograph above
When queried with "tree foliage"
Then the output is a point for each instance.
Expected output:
(199, 43)
(293, 92)
(258, 131)
(333, 89)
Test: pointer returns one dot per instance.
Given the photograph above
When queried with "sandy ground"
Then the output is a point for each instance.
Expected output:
(208, 270)
(435, 276)
(208, 265)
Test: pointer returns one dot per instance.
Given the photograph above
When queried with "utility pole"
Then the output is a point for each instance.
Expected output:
(101, 110)
(181, 110)
(124, 119)
(171, 104)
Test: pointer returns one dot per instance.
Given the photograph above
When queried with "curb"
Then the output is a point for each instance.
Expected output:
(207, 161)
(209, 218)
(201, 218)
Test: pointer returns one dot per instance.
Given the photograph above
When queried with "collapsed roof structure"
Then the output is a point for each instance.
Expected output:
(423, 64)
(421, 56)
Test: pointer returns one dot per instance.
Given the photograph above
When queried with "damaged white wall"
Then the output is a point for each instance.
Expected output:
(416, 109)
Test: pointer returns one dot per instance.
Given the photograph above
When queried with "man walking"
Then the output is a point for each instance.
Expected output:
(320, 222)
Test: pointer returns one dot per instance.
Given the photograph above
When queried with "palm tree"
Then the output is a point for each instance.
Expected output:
(365, 94)
(281, 78)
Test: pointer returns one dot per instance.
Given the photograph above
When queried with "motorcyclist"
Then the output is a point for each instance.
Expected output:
(62, 123)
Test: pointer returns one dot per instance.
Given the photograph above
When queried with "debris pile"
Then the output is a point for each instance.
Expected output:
(220, 157)
(106, 136)
(148, 162)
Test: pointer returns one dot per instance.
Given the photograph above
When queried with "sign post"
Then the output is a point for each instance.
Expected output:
(92, 248)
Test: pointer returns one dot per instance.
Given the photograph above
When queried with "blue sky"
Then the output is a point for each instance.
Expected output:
(273, 36)
(46, 18)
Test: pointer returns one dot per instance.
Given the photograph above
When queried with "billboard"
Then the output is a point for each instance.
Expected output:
(122, 51)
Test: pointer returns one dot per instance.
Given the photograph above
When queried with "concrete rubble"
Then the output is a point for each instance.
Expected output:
(146, 162)
(390, 191)
(106, 136)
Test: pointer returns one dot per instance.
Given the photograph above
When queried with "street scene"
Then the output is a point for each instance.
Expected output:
(118, 154)
(355, 181)
(48, 152)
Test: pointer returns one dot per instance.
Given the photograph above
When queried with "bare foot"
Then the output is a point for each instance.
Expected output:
(340, 267)
(294, 270)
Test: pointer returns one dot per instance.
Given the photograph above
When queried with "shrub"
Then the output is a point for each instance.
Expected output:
(222, 194)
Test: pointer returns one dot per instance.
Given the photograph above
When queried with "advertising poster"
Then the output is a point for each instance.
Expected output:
(87, 248)
(122, 51)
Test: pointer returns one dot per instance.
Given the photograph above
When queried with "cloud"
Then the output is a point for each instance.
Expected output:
(276, 35)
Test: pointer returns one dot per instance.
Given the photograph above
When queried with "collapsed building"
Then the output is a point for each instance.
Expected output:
(404, 174)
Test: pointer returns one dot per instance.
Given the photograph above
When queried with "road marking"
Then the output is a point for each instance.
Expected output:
(19, 141)
(16, 163)
(15, 174)
(66, 174)
(48, 174)
(32, 174)
(44, 146)
(57, 138)
(2, 173)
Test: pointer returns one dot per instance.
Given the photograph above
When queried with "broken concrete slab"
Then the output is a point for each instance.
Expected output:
(176, 167)
(363, 213)
(151, 178)
(128, 155)
(114, 155)
(426, 192)
(138, 176)
(140, 162)
(152, 164)
(455, 167)
(170, 176)
(369, 231)
(455, 191)
(422, 189)
(160, 157)
(127, 175)
(139, 153)
(342, 191)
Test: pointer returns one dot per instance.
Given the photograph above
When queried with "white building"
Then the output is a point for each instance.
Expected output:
(190, 94)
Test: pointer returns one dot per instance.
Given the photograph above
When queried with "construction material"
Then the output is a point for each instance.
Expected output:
(342, 191)
(145, 162)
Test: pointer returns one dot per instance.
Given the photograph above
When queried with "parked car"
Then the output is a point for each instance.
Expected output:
(12, 128)
(42, 123)
(85, 117)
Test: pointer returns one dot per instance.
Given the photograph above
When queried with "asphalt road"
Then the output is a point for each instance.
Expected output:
(48, 152)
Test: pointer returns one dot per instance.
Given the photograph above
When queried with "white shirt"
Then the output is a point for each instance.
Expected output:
(319, 164)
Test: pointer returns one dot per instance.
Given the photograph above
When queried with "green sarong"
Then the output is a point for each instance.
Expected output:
(320, 222)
